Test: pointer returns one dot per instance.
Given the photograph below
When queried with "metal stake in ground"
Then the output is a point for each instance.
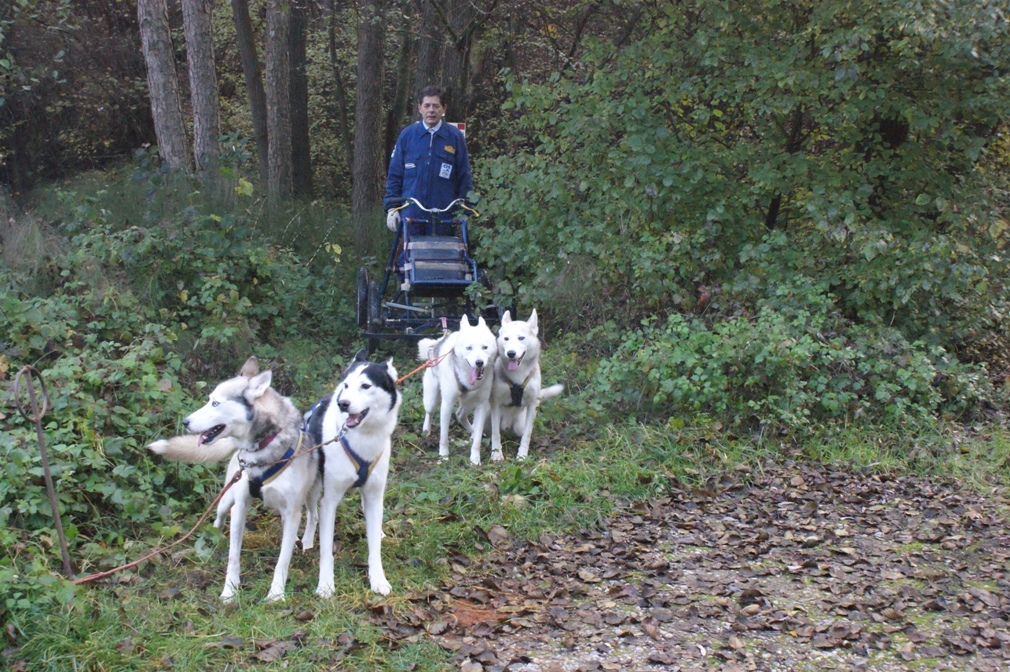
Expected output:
(36, 417)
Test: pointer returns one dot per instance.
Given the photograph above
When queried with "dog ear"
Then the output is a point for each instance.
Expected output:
(507, 317)
(250, 368)
(480, 322)
(361, 355)
(533, 321)
(464, 323)
(390, 370)
(258, 385)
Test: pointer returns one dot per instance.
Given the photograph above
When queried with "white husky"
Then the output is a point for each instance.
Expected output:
(261, 430)
(463, 376)
(355, 426)
(517, 390)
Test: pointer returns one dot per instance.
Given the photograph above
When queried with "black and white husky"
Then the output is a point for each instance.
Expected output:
(461, 379)
(517, 388)
(356, 425)
(262, 431)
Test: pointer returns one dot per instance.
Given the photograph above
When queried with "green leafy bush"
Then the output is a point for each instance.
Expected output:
(114, 384)
(127, 323)
(792, 363)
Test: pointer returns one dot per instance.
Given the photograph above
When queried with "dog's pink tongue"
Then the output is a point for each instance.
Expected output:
(473, 374)
(513, 364)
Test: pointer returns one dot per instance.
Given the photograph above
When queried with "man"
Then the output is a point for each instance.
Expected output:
(429, 162)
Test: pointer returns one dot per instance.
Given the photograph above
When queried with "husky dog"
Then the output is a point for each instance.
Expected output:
(463, 375)
(355, 426)
(517, 390)
(261, 430)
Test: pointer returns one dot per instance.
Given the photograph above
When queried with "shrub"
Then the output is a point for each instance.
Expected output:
(128, 322)
(789, 364)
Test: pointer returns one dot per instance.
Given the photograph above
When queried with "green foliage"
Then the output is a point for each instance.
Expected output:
(792, 363)
(112, 388)
(854, 134)
(128, 316)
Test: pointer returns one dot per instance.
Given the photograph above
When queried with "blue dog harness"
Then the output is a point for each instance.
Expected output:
(256, 483)
(364, 468)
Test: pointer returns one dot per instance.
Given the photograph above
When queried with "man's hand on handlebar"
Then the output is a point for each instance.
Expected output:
(393, 220)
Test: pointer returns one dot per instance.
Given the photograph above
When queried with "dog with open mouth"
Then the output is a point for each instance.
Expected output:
(355, 427)
(262, 432)
(462, 380)
(517, 387)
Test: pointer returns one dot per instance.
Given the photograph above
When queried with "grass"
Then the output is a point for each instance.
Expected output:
(433, 511)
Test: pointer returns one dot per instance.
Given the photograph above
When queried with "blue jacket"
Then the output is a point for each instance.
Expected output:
(433, 169)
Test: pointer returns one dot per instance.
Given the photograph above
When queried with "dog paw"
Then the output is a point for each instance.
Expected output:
(326, 591)
(497, 457)
(475, 461)
(228, 596)
(274, 597)
(381, 586)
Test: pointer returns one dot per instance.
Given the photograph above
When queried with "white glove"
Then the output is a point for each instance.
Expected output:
(393, 220)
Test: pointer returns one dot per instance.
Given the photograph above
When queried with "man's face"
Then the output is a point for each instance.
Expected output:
(431, 109)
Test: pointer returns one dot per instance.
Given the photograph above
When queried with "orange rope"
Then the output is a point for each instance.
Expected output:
(430, 362)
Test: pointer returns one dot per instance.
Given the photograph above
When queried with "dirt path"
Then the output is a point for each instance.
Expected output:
(796, 568)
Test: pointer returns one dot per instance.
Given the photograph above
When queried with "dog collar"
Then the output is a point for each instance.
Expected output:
(517, 390)
(266, 441)
(364, 468)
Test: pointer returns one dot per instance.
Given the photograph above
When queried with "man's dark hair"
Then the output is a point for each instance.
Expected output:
(429, 91)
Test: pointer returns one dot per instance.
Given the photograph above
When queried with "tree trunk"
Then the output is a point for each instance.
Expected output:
(159, 55)
(278, 99)
(203, 92)
(399, 107)
(428, 50)
(301, 150)
(366, 194)
(14, 142)
(341, 104)
(460, 23)
(253, 82)
(456, 17)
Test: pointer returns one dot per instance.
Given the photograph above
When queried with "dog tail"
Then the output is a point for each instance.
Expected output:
(552, 391)
(186, 448)
(424, 347)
